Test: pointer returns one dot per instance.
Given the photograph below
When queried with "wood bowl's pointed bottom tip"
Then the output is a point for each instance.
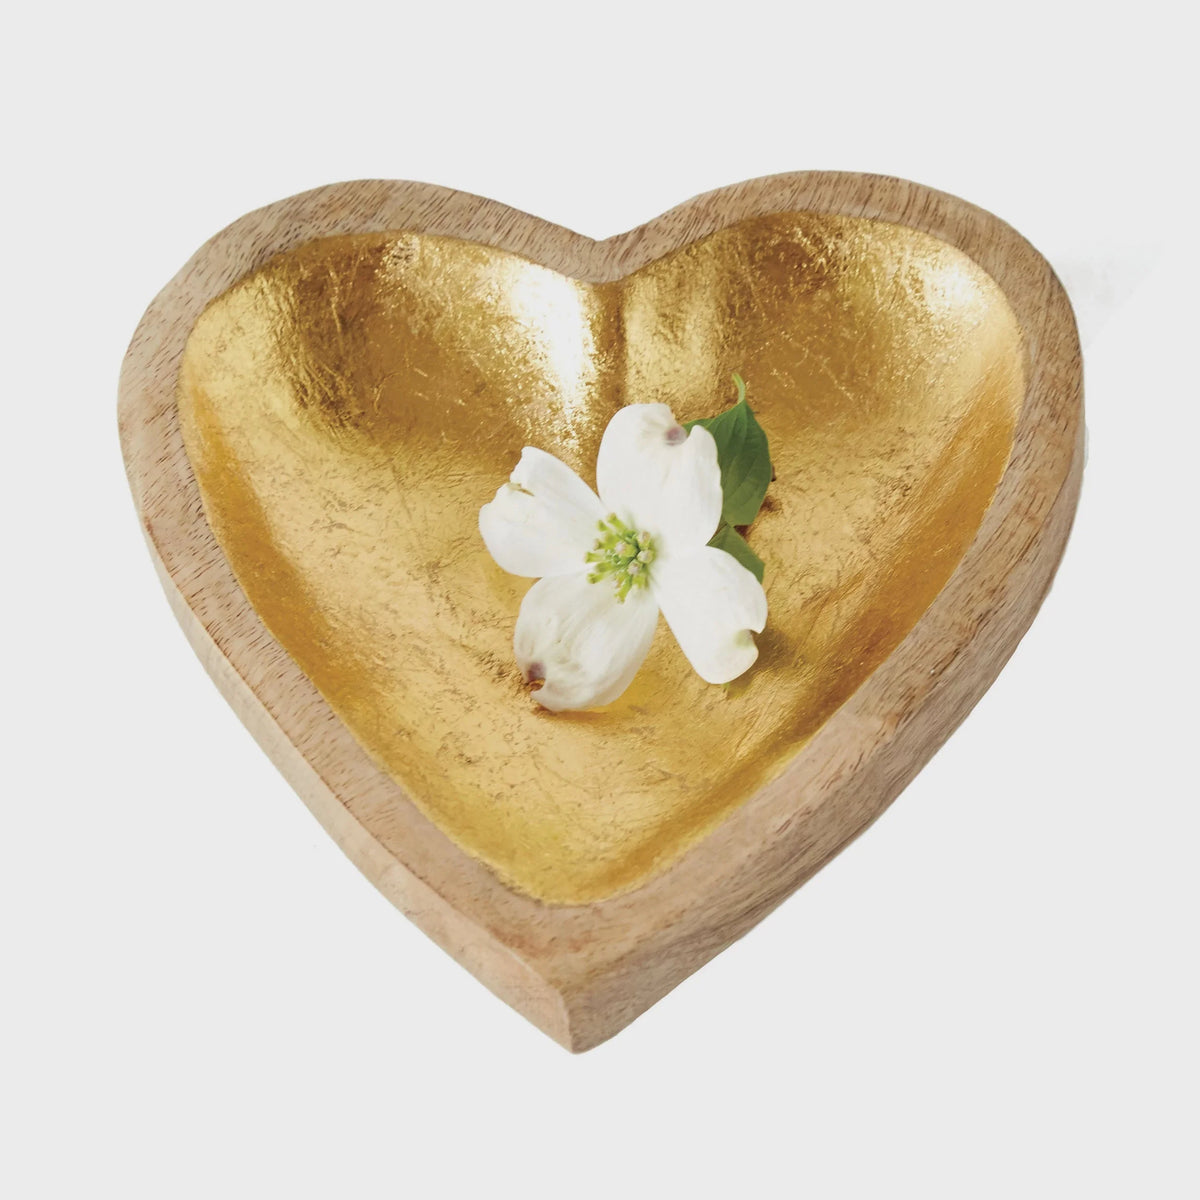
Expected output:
(620, 953)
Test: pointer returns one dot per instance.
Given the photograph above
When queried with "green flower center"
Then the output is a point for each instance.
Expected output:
(621, 556)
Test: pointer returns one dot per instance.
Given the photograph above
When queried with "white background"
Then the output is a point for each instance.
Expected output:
(993, 993)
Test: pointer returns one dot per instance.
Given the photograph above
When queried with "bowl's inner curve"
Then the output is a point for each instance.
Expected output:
(349, 407)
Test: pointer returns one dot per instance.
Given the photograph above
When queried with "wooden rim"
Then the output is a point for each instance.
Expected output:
(581, 973)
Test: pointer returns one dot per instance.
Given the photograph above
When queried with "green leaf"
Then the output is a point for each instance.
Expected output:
(728, 539)
(743, 456)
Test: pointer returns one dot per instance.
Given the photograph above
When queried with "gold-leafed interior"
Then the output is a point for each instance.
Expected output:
(349, 407)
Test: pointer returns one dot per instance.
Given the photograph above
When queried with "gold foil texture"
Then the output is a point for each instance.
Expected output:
(349, 407)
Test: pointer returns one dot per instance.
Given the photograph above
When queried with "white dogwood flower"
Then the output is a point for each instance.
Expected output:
(606, 565)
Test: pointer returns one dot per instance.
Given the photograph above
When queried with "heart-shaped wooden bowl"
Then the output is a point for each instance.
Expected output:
(314, 409)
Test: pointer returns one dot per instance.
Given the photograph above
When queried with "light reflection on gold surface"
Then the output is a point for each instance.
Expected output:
(349, 407)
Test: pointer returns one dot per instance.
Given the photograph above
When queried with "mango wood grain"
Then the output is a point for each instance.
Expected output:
(582, 973)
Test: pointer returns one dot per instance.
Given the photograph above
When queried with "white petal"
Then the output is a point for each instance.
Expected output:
(543, 521)
(656, 477)
(583, 642)
(713, 604)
